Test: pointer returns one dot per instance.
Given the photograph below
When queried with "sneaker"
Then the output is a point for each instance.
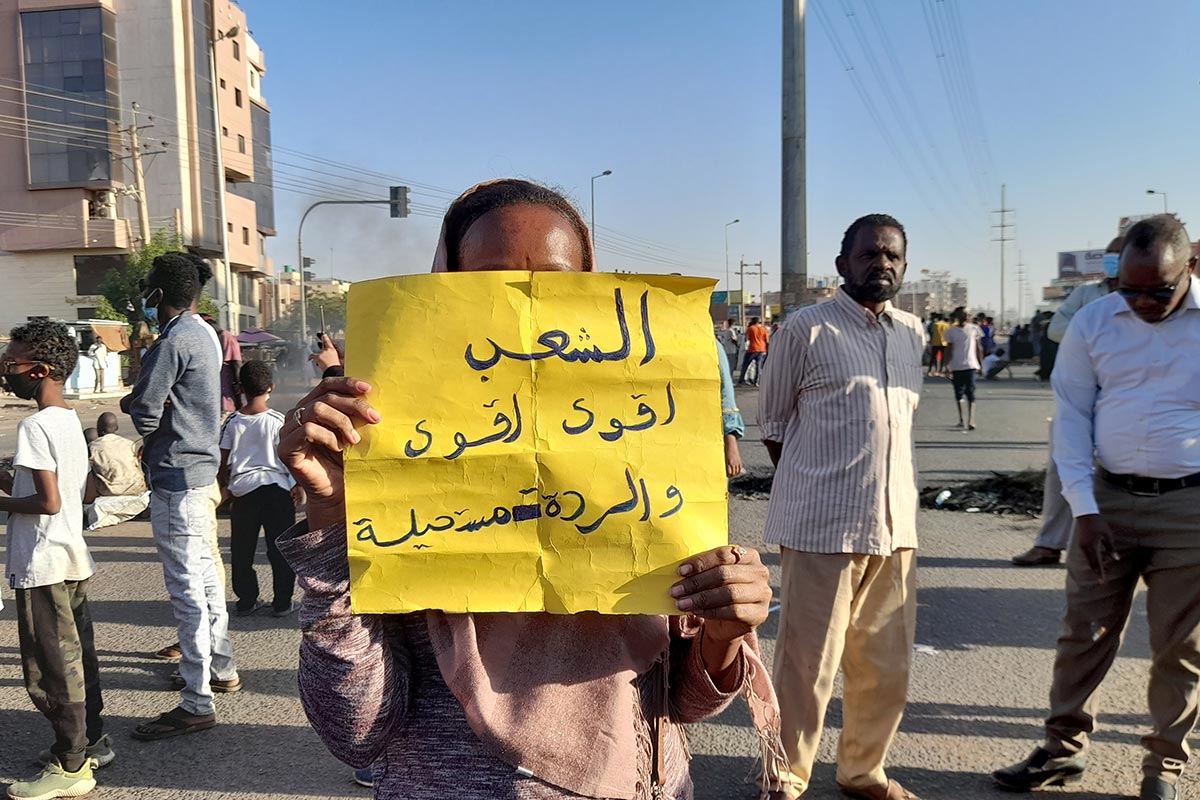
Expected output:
(292, 607)
(1040, 770)
(364, 777)
(170, 653)
(100, 753)
(249, 611)
(55, 782)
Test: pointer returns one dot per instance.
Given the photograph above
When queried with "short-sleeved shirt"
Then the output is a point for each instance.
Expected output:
(116, 466)
(937, 333)
(756, 339)
(44, 549)
(251, 440)
(966, 340)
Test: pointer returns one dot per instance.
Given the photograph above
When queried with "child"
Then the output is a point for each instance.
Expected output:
(262, 492)
(49, 564)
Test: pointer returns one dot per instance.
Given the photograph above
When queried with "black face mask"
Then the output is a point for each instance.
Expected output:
(23, 386)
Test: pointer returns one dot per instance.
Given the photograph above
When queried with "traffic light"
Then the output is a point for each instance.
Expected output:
(398, 201)
(308, 262)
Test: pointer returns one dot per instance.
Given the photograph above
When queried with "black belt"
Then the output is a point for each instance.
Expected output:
(1148, 487)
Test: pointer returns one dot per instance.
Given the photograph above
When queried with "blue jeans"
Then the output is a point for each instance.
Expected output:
(752, 358)
(182, 527)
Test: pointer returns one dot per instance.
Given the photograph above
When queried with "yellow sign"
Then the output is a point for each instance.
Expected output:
(549, 441)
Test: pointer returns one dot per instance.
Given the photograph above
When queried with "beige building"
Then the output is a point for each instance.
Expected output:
(283, 292)
(71, 74)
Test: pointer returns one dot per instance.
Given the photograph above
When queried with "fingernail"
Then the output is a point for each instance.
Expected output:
(677, 591)
(355, 437)
(685, 604)
(686, 569)
(363, 387)
(373, 415)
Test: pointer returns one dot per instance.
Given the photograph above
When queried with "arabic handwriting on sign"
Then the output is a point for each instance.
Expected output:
(556, 343)
(509, 431)
(408, 446)
(649, 417)
(639, 495)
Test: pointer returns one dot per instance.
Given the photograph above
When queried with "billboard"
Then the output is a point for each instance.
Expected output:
(1081, 264)
(1125, 223)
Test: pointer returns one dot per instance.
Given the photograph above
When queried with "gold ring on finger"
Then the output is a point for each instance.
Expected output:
(296, 416)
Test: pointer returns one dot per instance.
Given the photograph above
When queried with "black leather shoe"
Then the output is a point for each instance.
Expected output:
(1155, 788)
(1041, 770)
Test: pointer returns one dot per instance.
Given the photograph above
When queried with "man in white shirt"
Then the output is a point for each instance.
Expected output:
(836, 410)
(1056, 514)
(1125, 444)
(964, 349)
(98, 352)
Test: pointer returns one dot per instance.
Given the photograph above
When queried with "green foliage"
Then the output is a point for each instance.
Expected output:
(334, 306)
(122, 287)
(207, 306)
(105, 310)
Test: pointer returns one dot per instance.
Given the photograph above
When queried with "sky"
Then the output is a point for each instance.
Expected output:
(1076, 106)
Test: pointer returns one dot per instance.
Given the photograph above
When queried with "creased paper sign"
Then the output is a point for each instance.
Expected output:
(549, 441)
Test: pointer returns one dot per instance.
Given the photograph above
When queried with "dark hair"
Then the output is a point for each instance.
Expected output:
(474, 204)
(106, 423)
(754, 320)
(256, 378)
(204, 272)
(871, 221)
(51, 343)
(175, 274)
(90, 435)
(1162, 229)
(959, 314)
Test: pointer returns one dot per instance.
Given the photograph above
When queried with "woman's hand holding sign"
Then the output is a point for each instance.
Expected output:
(314, 435)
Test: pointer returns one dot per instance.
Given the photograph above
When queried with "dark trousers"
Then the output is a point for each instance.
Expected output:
(270, 509)
(62, 673)
(752, 358)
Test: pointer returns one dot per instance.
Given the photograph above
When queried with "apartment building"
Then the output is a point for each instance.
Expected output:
(79, 80)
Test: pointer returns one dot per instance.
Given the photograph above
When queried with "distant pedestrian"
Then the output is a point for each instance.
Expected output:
(757, 336)
(727, 338)
(732, 425)
(1126, 390)
(1055, 532)
(264, 494)
(988, 326)
(996, 363)
(231, 365)
(937, 344)
(836, 412)
(49, 566)
(98, 353)
(964, 356)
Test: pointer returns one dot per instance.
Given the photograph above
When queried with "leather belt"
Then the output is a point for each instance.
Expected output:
(1142, 486)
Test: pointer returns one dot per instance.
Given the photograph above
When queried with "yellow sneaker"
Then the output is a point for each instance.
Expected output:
(55, 782)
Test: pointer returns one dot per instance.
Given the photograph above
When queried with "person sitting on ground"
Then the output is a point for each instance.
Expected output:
(90, 435)
(995, 363)
(264, 494)
(120, 481)
(435, 701)
(49, 565)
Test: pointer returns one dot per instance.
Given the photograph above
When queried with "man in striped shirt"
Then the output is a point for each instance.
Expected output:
(836, 412)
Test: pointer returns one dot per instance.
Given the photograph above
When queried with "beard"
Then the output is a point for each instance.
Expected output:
(873, 289)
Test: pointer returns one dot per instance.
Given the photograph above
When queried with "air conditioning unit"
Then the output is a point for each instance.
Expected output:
(103, 205)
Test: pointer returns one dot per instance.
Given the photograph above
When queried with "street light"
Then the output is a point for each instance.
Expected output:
(1164, 197)
(728, 280)
(216, 104)
(593, 209)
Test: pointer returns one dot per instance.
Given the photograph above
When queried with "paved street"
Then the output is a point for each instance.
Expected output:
(979, 686)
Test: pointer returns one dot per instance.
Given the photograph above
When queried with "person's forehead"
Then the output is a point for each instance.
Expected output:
(871, 235)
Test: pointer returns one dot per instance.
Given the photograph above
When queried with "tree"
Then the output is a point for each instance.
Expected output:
(333, 305)
(105, 310)
(122, 288)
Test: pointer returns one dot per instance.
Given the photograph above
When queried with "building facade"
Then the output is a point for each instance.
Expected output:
(79, 80)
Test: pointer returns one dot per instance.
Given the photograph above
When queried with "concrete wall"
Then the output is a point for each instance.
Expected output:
(47, 287)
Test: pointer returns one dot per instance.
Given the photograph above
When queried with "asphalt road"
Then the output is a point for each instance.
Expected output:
(980, 680)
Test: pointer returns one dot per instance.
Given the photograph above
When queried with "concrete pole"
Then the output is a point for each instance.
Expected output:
(794, 244)
(139, 180)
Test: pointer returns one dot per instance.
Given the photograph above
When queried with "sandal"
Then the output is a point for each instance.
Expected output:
(175, 722)
(892, 791)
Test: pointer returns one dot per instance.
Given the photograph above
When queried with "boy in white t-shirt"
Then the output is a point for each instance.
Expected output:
(263, 492)
(49, 564)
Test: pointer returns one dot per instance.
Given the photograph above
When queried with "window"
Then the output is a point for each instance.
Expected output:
(241, 143)
(229, 225)
(245, 236)
(253, 78)
(224, 131)
(262, 245)
(237, 51)
(237, 97)
(90, 272)
(222, 83)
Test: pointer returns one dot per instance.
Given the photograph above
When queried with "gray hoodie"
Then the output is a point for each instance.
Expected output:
(181, 439)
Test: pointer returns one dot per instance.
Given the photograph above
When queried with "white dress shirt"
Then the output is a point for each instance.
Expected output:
(1128, 396)
(1082, 295)
(839, 392)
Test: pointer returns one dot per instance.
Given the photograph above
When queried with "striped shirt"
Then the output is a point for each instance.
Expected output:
(839, 392)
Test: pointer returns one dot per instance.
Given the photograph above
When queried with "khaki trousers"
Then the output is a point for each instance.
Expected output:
(859, 612)
(1158, 539)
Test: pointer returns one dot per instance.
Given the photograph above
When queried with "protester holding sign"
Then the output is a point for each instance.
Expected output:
(524, 705)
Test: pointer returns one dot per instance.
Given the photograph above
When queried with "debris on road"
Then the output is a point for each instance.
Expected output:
(1002, 493)
(752, 485)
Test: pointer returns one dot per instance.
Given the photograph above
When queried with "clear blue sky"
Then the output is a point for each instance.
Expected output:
(1084, 105)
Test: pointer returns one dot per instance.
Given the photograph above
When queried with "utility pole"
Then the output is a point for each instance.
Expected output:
(742, 273)
(1003, 238)
(139, 179)
(793, 252)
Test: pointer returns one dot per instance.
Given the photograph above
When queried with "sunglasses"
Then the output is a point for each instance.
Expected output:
(1162, 295)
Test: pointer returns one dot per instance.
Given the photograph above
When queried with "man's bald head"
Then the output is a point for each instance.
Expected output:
(107, 423)
(1156, 265)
